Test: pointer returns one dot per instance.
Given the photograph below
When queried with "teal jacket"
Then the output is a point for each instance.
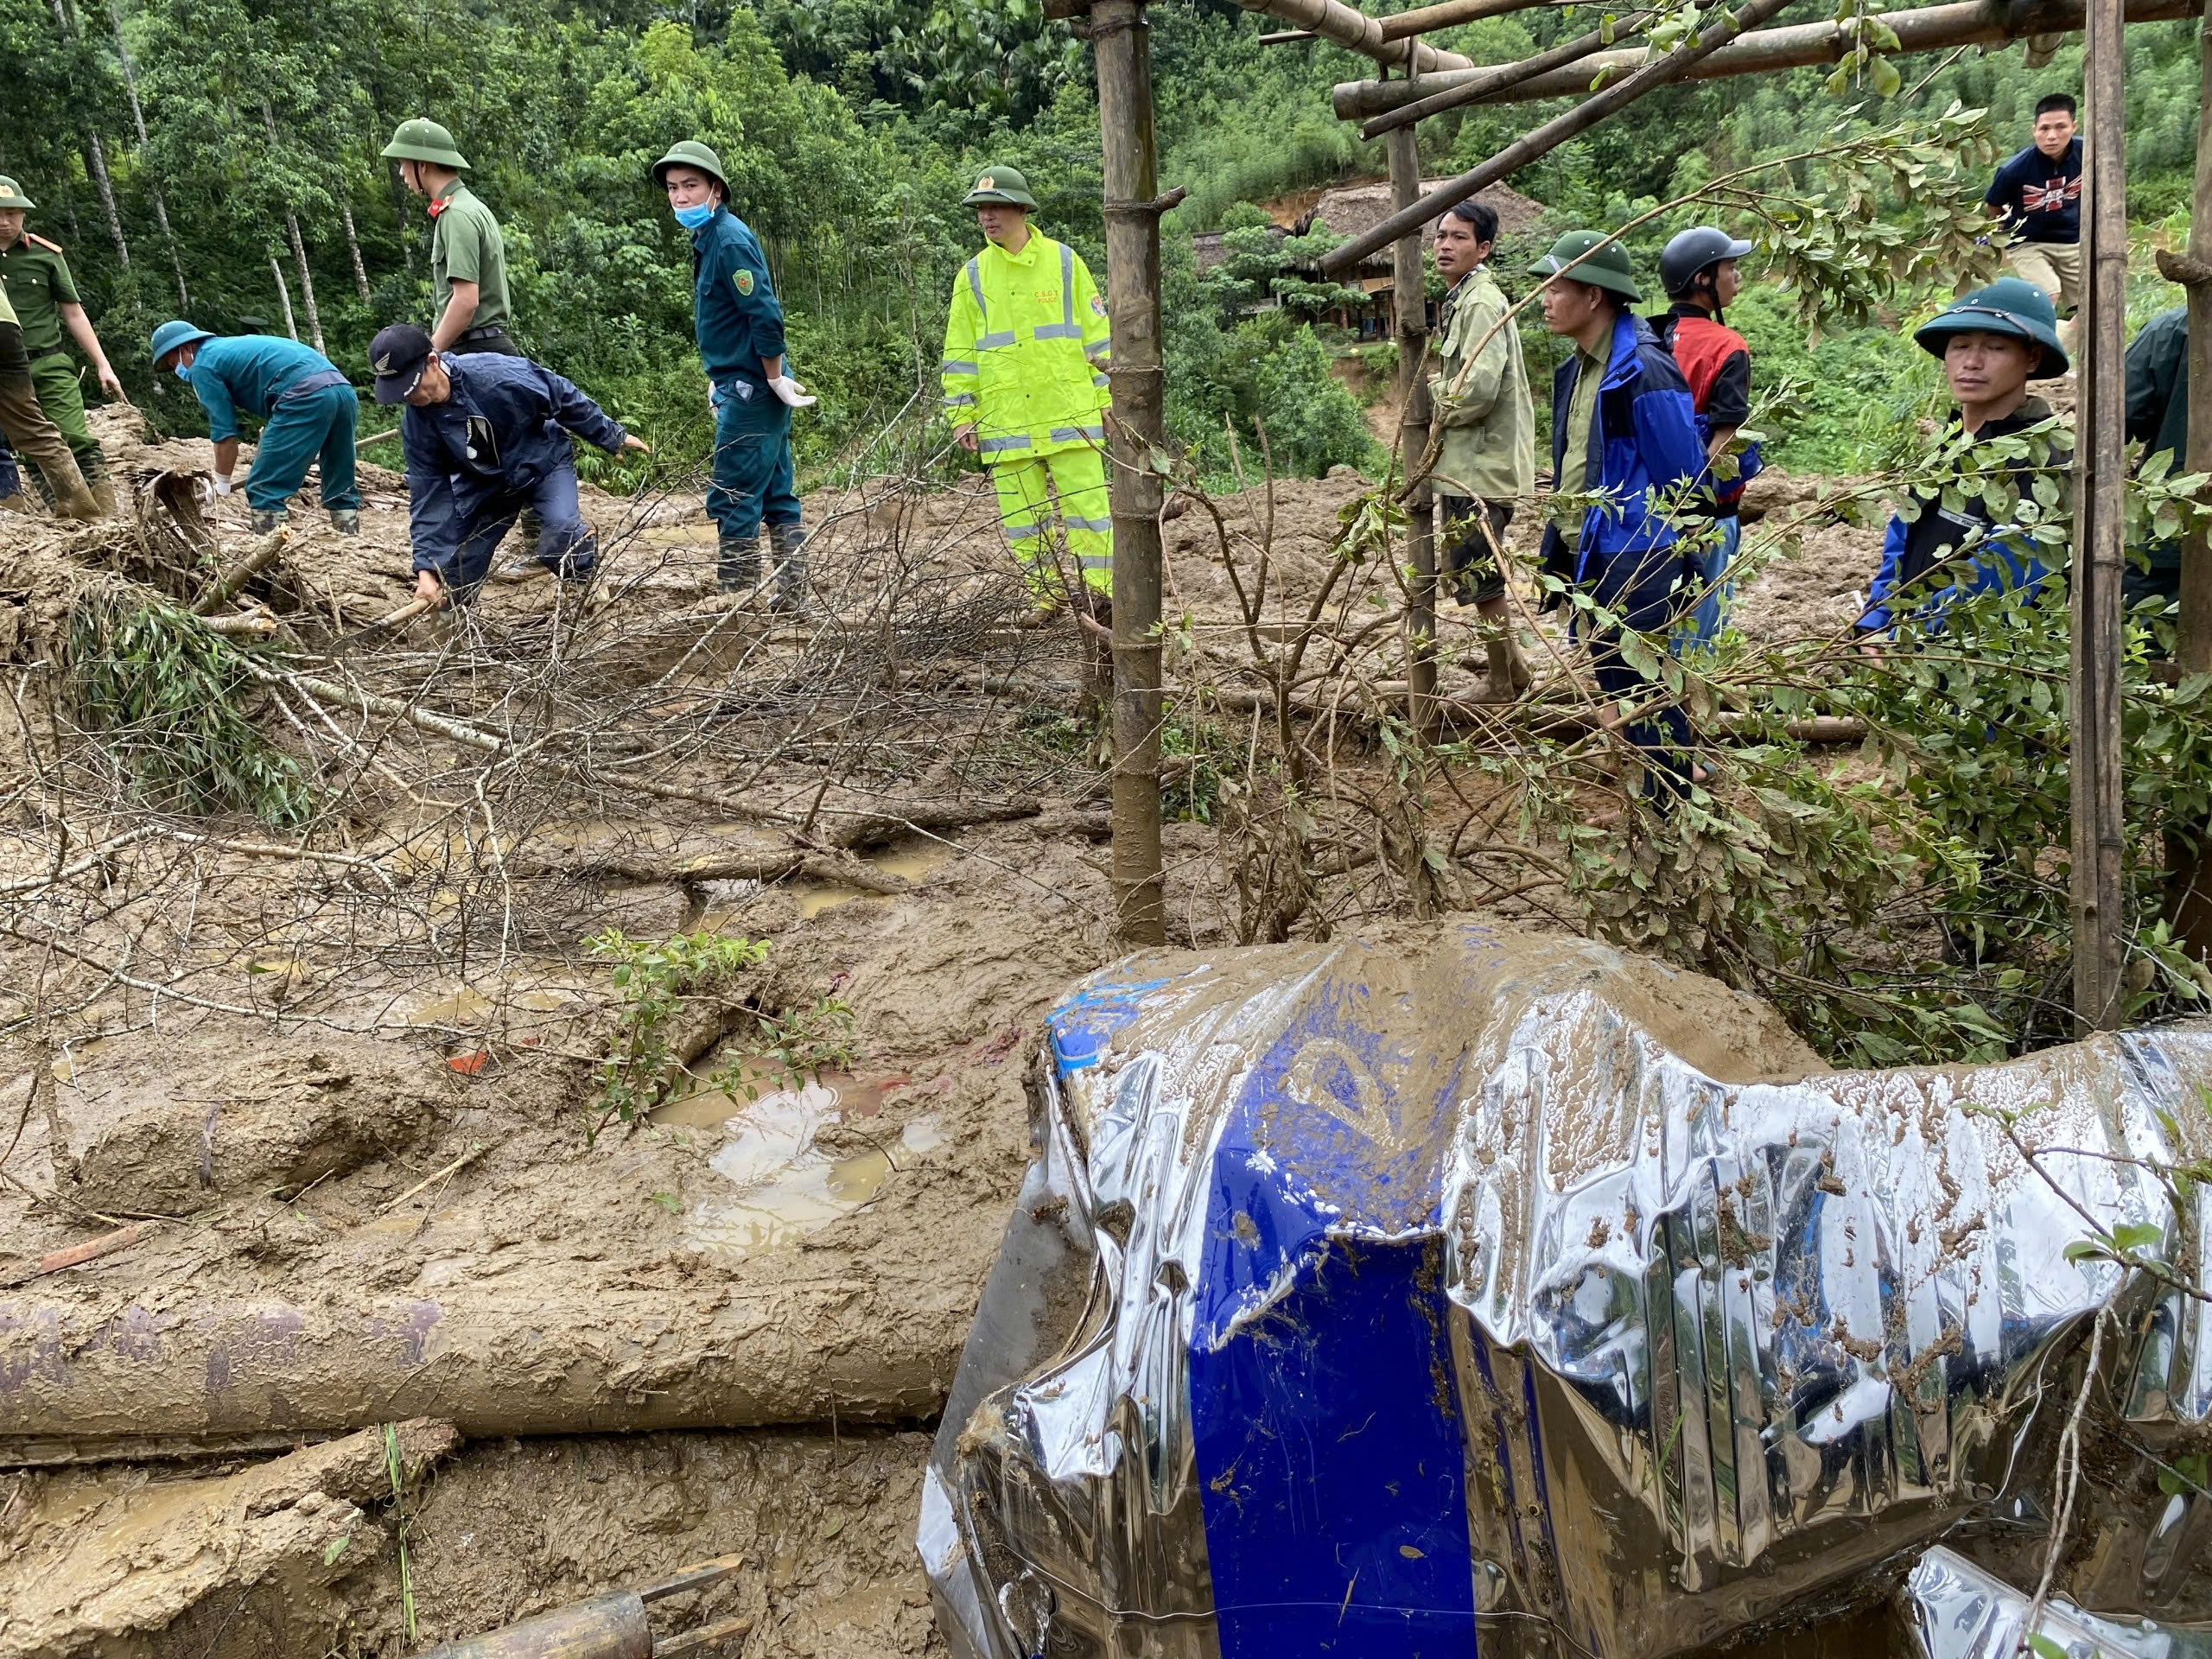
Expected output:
(254, 373)
(734, 308)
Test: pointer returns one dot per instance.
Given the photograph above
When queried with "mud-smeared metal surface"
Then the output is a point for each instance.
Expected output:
(1476, 1285)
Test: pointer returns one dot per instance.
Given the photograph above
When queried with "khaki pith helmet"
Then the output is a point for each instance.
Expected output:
(11, 194)
(1002, 186)
(424, 140)
(1578, 256)
(692, 153)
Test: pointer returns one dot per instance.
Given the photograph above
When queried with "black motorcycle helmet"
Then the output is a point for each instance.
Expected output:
(1691, 254)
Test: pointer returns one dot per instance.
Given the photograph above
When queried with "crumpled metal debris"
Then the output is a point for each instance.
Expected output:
(1956, 1611)
(1379, 1298)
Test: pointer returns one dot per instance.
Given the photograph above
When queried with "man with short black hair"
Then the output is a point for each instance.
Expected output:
(487, 436)
(2037, 197)
(1483, 424)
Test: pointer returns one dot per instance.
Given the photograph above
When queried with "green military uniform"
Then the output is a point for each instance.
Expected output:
(466, 246)
(39, 284)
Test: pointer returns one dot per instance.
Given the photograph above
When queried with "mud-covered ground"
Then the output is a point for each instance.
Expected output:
(728, 1328)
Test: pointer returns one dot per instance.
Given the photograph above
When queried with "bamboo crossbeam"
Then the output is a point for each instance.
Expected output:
(1930, 28)
(1451, 13)
(1354, 30)
(1485, 85)
(1659, 72)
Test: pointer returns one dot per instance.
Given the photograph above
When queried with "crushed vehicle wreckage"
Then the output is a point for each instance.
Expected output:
(1463, 1286)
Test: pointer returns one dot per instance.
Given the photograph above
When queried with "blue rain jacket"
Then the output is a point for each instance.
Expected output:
(504, 429)
(1645, 435)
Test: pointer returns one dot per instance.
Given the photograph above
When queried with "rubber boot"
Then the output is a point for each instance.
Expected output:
(789, 544)
(737, 564)
(347, 521)
(265, 521)
(103, 493)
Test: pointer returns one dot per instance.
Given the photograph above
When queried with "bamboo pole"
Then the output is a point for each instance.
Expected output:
(2099, 535)
(1409, 299)
(1451, 13)
(1930, 28)
(1121, 40)
(2189, 888)
(1487, 83)
(1556, 131)
(1354, 30)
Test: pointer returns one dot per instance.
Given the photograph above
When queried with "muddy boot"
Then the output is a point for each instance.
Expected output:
(103, 494)
(347, 521)
(1505, 676)
(789, 544)
(737, 564)
(263, 522)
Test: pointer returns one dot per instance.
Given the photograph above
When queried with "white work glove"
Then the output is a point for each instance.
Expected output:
(222, 483)
(791, 391)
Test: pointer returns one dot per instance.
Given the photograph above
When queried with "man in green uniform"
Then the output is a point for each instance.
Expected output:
(468, 256)
(45, 299)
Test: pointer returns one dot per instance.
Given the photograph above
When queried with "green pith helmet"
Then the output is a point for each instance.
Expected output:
(2008, 306)
(11, 194)
(1002, 184)
(1608, 268)
(175, 337)
(694, 155)
(424, 140)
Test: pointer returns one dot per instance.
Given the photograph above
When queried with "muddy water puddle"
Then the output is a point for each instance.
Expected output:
(781, 1185)
(914, 863)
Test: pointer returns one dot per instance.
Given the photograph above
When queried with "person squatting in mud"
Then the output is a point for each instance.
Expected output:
(487, 436)
(308, 408)
(1993, 342)
(1624, 429)
(740, 324)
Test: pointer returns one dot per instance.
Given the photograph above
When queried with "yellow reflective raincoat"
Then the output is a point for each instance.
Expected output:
(1025, 348)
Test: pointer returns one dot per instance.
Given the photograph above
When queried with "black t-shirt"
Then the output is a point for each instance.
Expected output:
(2039, 199)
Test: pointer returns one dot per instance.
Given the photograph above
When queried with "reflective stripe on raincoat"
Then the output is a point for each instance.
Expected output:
(1025, 350)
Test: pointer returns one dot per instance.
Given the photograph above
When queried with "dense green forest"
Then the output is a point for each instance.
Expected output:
(196, 135)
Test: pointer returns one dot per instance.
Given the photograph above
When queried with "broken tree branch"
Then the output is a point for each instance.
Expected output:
(255, 559)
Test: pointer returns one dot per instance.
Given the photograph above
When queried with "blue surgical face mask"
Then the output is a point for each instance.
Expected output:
(692, 218)
(184, 371)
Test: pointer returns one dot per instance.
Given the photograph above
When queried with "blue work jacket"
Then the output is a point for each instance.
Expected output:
(1644, 433)
(504, 429)
(251, 372)
(733, 303)
(1923, 572)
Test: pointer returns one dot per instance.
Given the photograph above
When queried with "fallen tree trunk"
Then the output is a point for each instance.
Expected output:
(491, 1362)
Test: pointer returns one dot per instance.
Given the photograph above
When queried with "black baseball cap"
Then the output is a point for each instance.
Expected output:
(398, 355)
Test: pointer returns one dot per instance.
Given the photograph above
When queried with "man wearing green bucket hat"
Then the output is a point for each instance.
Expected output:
(1993, 342)
(1624, 431)
(739, 325)
(46, 300)
(1024, 377)
(468, 255)
(308, 408)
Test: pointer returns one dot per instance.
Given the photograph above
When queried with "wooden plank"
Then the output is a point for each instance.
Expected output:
(2100, 460)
